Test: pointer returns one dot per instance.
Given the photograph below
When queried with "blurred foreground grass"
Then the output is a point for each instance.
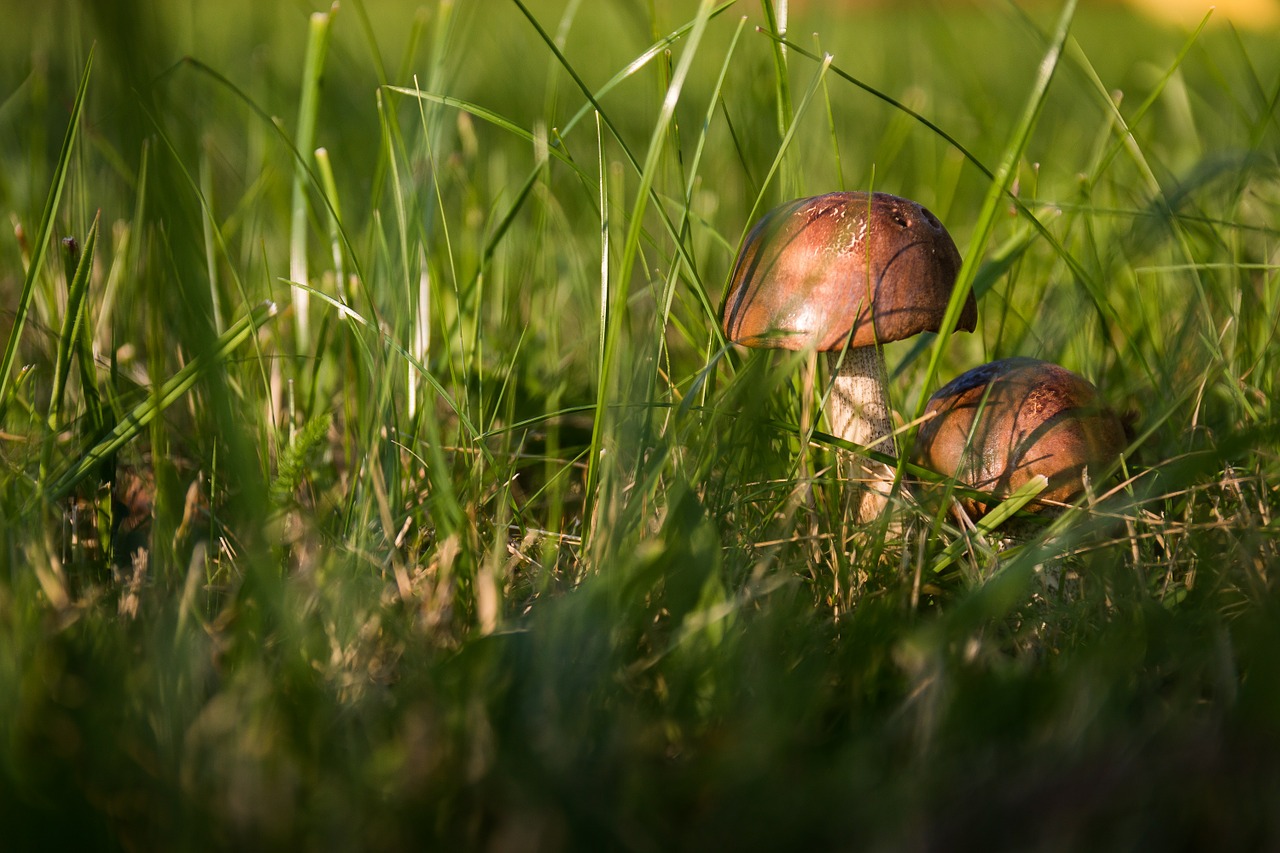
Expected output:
(501, 548)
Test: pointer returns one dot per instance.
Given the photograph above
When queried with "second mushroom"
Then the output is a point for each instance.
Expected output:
(844, 273)
(995, 427)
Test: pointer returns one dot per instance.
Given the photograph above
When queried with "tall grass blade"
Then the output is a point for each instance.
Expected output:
(690, 266)
(74, 322)
(44, 235)
(207, 227)
(602, 375)
(781, 76)
(784, 146)
(1001, 181)
(303, 143)
(473, 433)
(616, 313)
(330, 186)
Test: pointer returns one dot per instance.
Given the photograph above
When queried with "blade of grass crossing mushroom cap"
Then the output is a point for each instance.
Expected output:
(41, 245)
(992, 520)
(996, 192)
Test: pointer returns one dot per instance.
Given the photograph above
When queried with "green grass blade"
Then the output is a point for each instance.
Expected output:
(325, 167)
(690, 266)
(593, 103)
(602, 351)
(992, 521)
(614, 310)
(658, 48)
(308, 108)
(45, 234)
(999, 188)
(781, 77)
(73, 322)
(695, 166)
(785, 145)
(300, 160)
(207, 228)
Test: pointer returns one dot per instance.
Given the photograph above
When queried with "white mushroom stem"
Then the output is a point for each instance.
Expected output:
(858, 410)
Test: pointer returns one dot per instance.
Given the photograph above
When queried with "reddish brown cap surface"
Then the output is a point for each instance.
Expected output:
(1033, 418)
(843, 267)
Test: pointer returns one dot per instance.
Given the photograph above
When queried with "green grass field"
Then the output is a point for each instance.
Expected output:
(375, 474)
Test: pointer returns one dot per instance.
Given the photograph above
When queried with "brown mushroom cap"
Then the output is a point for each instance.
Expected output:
(1038, 418)
(847, 267)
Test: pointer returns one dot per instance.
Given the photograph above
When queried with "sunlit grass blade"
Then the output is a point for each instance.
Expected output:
(655, 150)
(992, 521)
(781, 75)
(300, 160)
(420, 295)
(1003, 178)
(592, 103)
(494, 118)
(695, 167)
(602, 349)
(1125, 140)
(658, 48)
(393, 153)
(831, 122)
(44, 234)
(304, 136)
(207, 227)
(614, 299)
(325, 167)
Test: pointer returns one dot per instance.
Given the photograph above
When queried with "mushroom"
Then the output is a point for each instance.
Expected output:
(844, 273)
(1000, 424)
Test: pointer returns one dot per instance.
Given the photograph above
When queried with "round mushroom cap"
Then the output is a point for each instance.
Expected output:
(847, 268)
(1032, 418)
